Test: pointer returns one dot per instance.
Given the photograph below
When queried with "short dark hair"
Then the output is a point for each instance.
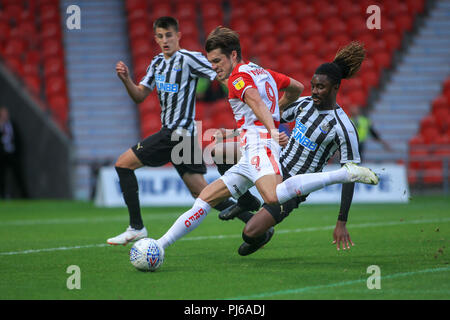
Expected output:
(165, 23)
(225, 39)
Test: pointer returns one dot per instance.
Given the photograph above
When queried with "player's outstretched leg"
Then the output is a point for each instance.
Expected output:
(210, 196)
(304, 184)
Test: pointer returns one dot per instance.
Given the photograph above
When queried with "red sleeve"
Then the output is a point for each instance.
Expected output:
(238, 83)
(282, 80)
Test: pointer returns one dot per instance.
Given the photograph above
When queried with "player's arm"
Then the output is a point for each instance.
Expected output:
(255, 102)
(137, 92)
(341, 234)
(291, 93)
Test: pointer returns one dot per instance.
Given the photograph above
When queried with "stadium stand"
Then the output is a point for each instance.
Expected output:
(429, 149)
(306, 36)
(31, 46)
(103, 117)
(405, 105)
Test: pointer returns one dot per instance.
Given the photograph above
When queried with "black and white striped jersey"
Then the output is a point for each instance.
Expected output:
(317, 135)
(176, 80)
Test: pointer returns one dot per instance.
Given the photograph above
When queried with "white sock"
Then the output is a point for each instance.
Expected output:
(185, 223)
(303, 184)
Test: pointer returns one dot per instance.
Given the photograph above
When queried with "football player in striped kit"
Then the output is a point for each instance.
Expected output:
(174, 73)
(321, 129)
(253, 96)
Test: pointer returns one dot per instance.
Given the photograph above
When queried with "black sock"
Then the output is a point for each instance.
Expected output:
(224, 204)
(129, 186)
(245, 216)
(254, 240)
(249, 201)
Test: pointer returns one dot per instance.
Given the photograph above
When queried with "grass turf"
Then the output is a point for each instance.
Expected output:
(409, 242)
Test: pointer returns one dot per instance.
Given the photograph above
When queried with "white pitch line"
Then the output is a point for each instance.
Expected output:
(336, 284)
(229, 236)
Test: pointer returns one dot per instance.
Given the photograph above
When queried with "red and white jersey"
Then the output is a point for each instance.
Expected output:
(267, 82)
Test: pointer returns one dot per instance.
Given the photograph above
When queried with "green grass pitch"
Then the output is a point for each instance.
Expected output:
(408, 242)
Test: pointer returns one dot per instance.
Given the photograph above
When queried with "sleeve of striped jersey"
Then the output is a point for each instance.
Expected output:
(290, 113)
(200, 66)
(238, 83)
(282, 80)
(348, 139)
(149, 79)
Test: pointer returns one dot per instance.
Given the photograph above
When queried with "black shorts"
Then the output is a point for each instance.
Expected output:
(156, 151)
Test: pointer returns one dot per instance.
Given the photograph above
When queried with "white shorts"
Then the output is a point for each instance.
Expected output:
(260, 157)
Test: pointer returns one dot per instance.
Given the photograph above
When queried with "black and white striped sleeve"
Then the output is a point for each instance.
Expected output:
(291, 112)
(149, 78)
(347, 137)
(199, 65)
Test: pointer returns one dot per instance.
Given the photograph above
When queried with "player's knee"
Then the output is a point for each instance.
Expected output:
(271, 199)
(122, 162)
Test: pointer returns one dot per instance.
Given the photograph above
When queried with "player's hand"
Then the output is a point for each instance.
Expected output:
(341, 237)
(280, 137)
(284, 139)
(122, 70)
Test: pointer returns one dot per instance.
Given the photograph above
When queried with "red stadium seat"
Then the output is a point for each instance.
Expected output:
(347, 9)
(189, 27)
(325, 10)
(53, 66)
(334, 26)
(356, 26)
(51, 47)
(55, 85)
(186, 10)
(446, 86)
(210, 25)
(392, 40)
(13, 11)
(369, 79)
(299, 10)
(264, 46)
(404, 22)
(286, 27)
(211, 10)
(159, 9)
(139, 28)
(440, 103)
(262, 28)
(49, 13)
(395, 8)
(137, 14)
(50, 29)
(358, 97)
(289, 64)
(14, 47)
(30, 69)
(382, 60)
(33, 83)
(310, 27)
(132, 5)
(141, 46)
(415, 6)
